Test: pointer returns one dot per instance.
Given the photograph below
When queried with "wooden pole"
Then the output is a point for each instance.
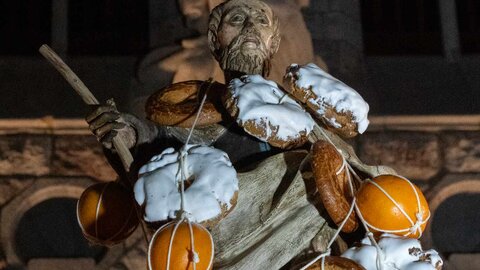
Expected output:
(87, 96)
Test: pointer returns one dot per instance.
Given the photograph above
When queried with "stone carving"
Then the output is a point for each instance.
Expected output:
(274, 220)
(192, 60)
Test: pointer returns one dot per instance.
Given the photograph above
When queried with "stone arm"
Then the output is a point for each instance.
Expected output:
(143, 138)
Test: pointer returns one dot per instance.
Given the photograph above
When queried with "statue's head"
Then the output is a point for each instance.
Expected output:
(243, 35)
(196, 13)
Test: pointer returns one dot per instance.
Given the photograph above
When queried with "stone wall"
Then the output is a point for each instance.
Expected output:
(42, 159)
(48, 158)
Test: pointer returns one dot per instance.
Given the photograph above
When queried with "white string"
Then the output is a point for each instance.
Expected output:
(419, 215)
(321, 256)
(332, 240)
(380, 255)
(183, 168)
(185, 216)
(416, 226)
(171, 244)
(352, 171)
(327, 252)
(195, 258)
(344, 161)
(392, 200)
(199, 111)
(97, 210)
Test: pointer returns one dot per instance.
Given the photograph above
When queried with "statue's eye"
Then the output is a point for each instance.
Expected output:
(237, 18)
(262, 20)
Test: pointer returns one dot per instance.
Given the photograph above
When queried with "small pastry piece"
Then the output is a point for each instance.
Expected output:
(398, 253)
(180, 255)
(210, 190)
(336, 263)
(333, 189)
(266, 112)
(177, 104)
(338, 106)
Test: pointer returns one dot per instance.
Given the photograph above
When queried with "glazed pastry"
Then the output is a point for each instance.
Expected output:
(210, 190)
(338, 106)
(333, 189)
(267, 112)
(398, 253)
(177, 104)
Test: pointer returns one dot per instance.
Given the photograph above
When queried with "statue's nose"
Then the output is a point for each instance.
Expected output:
(248, 23)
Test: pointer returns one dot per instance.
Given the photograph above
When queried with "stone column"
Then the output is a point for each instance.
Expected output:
(336, 31)
(450, 35)
(60, 26)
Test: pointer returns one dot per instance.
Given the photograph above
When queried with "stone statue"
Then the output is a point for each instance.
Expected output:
(274, 219)
(192, 60)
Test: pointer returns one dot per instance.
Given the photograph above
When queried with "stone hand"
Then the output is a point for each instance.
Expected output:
(106, 122)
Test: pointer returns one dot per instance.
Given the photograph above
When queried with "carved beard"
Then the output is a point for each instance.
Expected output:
(253, 61)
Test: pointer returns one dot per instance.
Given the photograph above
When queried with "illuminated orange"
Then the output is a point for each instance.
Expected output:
(380, 212)
(106, 213)
(181, 255)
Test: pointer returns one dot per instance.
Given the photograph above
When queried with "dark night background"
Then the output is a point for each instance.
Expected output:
(404, 71)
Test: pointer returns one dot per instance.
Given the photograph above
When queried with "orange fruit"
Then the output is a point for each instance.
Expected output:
(106, 213)
(383, 215)
(181, 255)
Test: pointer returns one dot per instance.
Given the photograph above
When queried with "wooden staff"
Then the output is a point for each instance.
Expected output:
(88, 98)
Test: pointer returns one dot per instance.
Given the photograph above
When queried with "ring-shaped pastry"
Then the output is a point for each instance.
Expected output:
(177, 104)
(333, 188)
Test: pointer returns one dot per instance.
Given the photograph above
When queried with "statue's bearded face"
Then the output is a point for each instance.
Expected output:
(245, 37)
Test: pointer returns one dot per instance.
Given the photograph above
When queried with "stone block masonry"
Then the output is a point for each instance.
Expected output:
(426, 149)
(415, 155)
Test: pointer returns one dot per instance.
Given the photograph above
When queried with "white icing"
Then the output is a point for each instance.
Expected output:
(334, 122)
(333, 92)
(265, 103)
(397, 252)
(214, 184)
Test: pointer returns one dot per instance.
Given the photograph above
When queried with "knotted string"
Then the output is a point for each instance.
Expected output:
(184, 216)
(415, 226)
(327, 252)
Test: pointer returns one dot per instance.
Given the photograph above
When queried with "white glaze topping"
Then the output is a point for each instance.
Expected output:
(400, 253)
(263, 101)
(215, 183)
(333, 92)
